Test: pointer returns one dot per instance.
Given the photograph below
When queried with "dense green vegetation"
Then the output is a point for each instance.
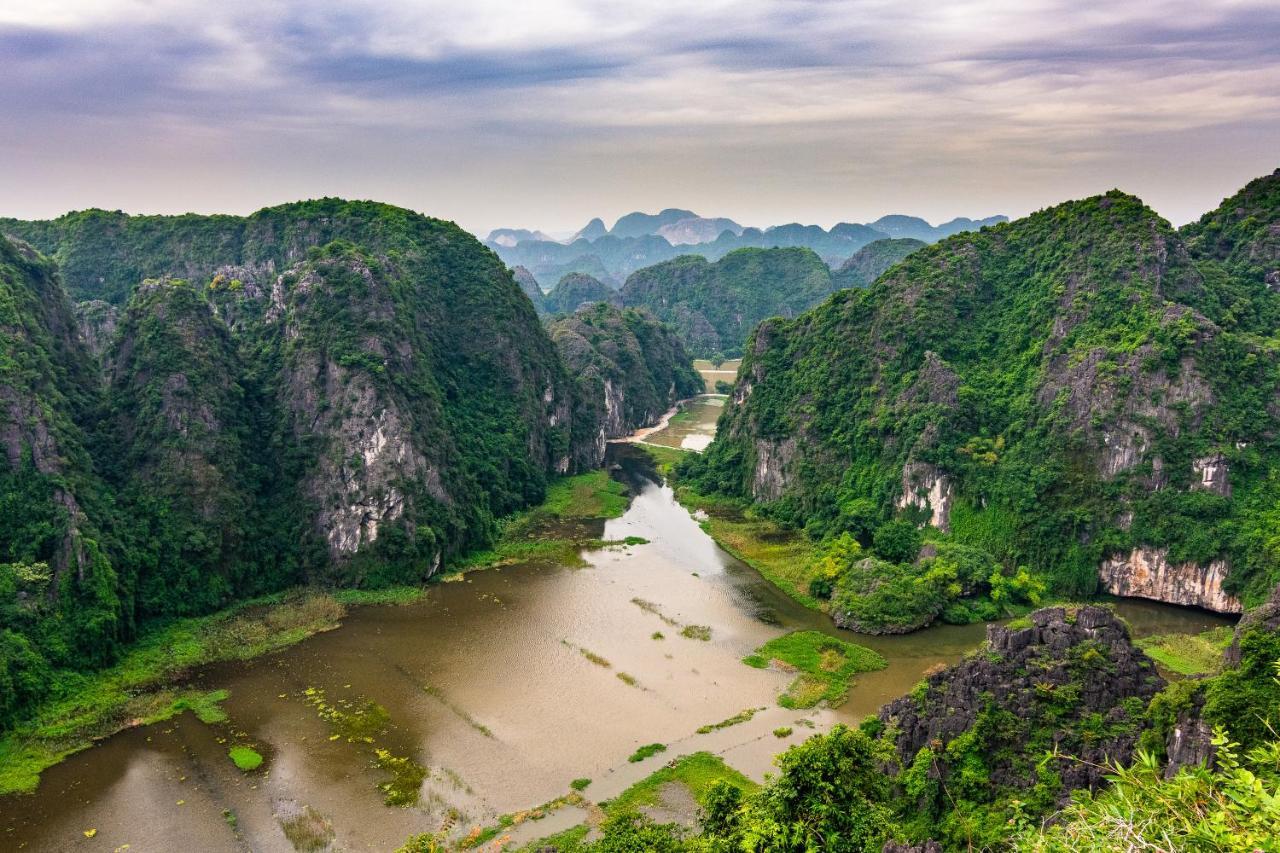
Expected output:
(714, 306)
(1047, 391)
(872, 260)
(332, 392)
(576, 290)
(630, 369)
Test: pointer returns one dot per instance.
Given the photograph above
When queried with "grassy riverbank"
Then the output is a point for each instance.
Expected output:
(146, 685)
(697, 773)
(143, 687)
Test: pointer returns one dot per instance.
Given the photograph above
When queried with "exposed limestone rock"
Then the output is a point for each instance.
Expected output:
(926, 487)
(1147, 573)
(97, 321)
(772, 460)
(1212, 474)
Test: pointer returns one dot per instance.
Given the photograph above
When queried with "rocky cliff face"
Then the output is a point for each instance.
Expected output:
(1148, 573)
(328, 390)
(1072, 383)
(97, 321)
(630, 368)
(1048, 705)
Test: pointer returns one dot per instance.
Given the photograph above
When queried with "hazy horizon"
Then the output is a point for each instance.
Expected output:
(500, 114)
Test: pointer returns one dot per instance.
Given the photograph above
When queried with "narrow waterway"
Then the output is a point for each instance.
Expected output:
(506, 685)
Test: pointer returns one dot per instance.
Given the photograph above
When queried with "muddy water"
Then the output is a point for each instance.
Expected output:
(488, 685)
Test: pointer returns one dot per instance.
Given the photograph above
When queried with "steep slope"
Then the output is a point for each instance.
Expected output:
(61, 602)
(629, 367)
(529, 285)
(714, 306)
(575, 290)
(913, 227)
(1043, 390)
(870, 262)
(593, 229)
(348, 392)
(179, 437)
(1243, 237)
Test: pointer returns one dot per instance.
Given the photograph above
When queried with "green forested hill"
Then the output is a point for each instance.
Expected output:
(630, 368)
(575, 290)
(870, 262)
(1063, 392)
(325, 391)
(62, 603)
(714, 306)
(1243, 237)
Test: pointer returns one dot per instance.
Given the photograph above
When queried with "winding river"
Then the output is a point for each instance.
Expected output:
(488, 683)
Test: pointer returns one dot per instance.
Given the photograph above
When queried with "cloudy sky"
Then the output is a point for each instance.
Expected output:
(543, 113)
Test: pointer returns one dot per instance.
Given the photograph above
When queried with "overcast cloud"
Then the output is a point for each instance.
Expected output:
(543, 114)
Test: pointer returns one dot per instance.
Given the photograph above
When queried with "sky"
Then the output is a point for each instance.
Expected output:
(545, 113)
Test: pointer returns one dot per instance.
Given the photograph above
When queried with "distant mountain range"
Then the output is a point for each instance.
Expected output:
(642, 239)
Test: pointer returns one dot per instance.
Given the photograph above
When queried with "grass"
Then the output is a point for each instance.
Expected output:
(480, 836)
(646, 751)
(697, 772)
(628, 679)
(826, 665)
(138, 690)
(580, 784)
(782, 731)
(571, 840)
(740, 717)
(696, 632)
(359, 720)
(544, 534)
(589, 655)
(664, 458)
(650, 607)
(591, 495)
(784, 557)
(1189, 654)
(657, 635)
(244, 757)
(399, 595)
(308, 830)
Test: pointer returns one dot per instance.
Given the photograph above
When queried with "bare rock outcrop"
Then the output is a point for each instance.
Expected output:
(1148, 573)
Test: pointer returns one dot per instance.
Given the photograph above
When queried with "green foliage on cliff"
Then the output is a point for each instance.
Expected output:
(714, 306)
(1061, 380)
(630, 369)
(576, 290)
(332, 391)
(872, 260)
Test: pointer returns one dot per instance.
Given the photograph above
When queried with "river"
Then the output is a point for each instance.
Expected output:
(488, 683)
